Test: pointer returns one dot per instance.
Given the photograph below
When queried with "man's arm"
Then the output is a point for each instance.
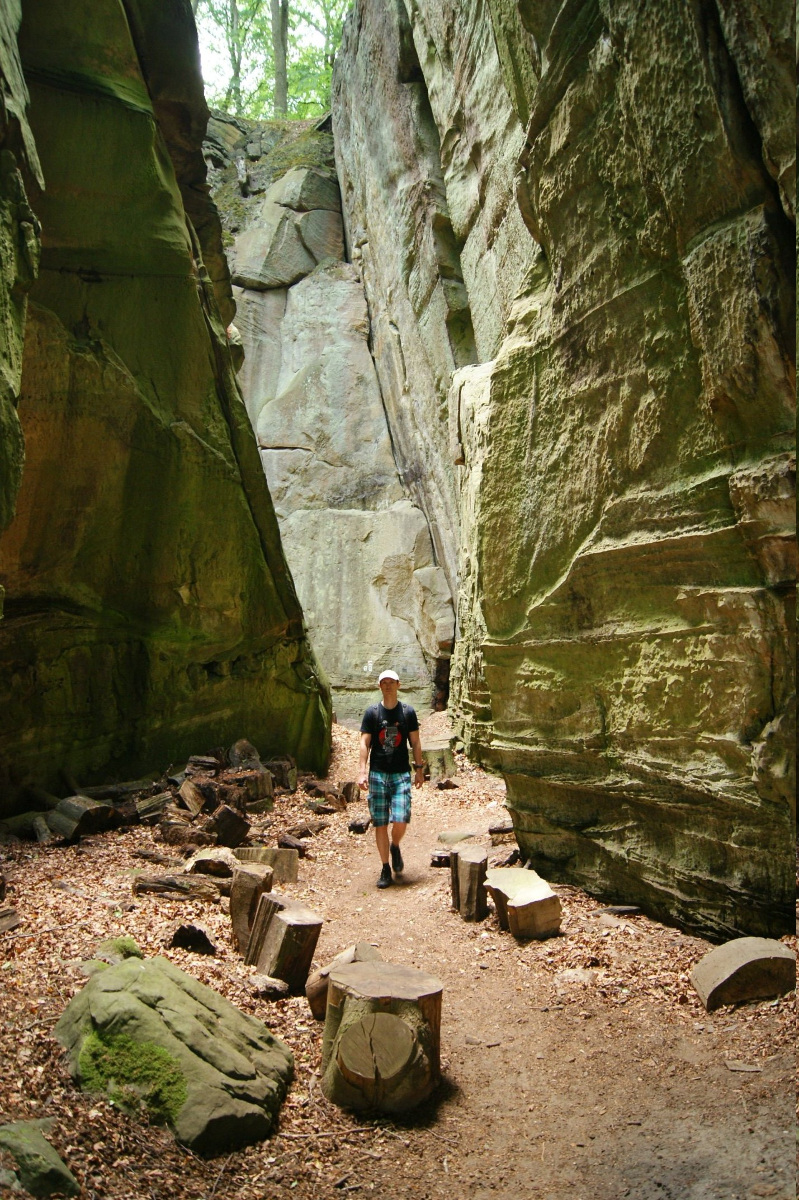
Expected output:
(416, 750)
(363, 771)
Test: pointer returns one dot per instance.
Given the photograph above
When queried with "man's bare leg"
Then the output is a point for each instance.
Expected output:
(381, 838)
(397, 833)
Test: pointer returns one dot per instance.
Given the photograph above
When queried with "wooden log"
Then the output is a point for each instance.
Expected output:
(177, 887)
(79, 816)
(525, 903)
(381, 1045)
(183, 833)
(316, 987)
(161, 860)
(284, 862)
(308, 828)
(150, 808)
(286, 842)
(117, 791)
(229, 826)
(250, 881)
(359, 824)
(191, 797)
(284, 771)
(350, 791)
(439, 857)
(283, 939)
(41, 829)
(203, 762)
(468, 875)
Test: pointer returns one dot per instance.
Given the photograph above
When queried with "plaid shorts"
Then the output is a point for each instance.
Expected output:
(390, 797)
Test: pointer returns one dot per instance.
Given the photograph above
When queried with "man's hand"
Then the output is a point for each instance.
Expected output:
(363, 780)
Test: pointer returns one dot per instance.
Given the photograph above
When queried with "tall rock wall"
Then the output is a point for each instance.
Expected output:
(19, 259)
(149, 612)
(360, 550)
(612, 466)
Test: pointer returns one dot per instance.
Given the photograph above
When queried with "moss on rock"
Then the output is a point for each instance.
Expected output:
(133, 1074)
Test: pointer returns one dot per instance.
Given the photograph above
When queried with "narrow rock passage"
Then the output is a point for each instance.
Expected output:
(581, 1067)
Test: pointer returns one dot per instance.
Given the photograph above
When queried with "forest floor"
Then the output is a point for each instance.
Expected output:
(582, 1067)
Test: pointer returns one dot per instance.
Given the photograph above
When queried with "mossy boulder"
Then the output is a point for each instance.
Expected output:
(150, 1037)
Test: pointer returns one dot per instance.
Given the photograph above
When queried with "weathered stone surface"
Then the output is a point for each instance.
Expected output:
(623, 461)
(19, 261)
(371, 590)
(150, 609)
(40, 1169)
(217, 1076)
(304, 190)
(747, 968)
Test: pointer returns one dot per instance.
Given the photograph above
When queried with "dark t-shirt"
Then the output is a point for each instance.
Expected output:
(389, 728)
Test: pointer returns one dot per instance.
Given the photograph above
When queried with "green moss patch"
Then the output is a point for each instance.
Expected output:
(133, 1074)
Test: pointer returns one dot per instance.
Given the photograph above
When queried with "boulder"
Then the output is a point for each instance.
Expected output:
(40, 1169)
(305, 189)
(148, 1034)
(747, 968)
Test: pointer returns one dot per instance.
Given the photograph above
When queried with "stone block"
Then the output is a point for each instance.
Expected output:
(747, 968)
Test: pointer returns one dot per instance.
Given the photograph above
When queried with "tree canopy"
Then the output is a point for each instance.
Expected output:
(264, 58)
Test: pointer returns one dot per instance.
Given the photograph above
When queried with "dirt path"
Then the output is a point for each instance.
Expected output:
(582, 1067)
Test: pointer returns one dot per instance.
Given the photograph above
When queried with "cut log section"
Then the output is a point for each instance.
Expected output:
(151, 807)
(525, 903)
(283, 861)
(440, 760)
(381, 1047)
(316, 987)
(191, 797)
(467, 866)
(283, 939)
(78, 816)
(229, 827)
(250, 881)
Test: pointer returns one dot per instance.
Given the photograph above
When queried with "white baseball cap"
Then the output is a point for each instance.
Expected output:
(387, 675)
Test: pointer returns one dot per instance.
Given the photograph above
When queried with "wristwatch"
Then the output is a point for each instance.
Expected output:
(419, 766)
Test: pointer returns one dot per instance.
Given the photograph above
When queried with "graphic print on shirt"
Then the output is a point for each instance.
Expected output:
(389, 738)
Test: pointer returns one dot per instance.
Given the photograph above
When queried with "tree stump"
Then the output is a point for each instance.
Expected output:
(250, 881)
(440, 759)
(525, 903)
(381, 1047)
(229, 826)
(316, 987)
(283, 939)
(467, 866)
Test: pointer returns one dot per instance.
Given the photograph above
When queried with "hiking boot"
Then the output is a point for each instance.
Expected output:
(385, 877)
(396, 859)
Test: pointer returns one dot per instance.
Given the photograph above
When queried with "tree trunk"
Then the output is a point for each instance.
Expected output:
(280, 33)
(381, 1046)
(468, 873)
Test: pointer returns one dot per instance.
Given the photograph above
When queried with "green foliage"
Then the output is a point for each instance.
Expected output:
(238, 67)
(133, 1074)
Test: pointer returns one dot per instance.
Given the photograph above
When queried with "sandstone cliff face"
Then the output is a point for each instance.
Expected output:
(149, 609)
(19, 254)
(615, 479)
(360, 551)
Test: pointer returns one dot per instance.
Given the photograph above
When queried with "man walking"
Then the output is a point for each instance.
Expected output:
(386, 729)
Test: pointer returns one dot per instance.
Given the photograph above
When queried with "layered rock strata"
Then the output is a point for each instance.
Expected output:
(150, 612)
(360, 551)
(616, 477)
